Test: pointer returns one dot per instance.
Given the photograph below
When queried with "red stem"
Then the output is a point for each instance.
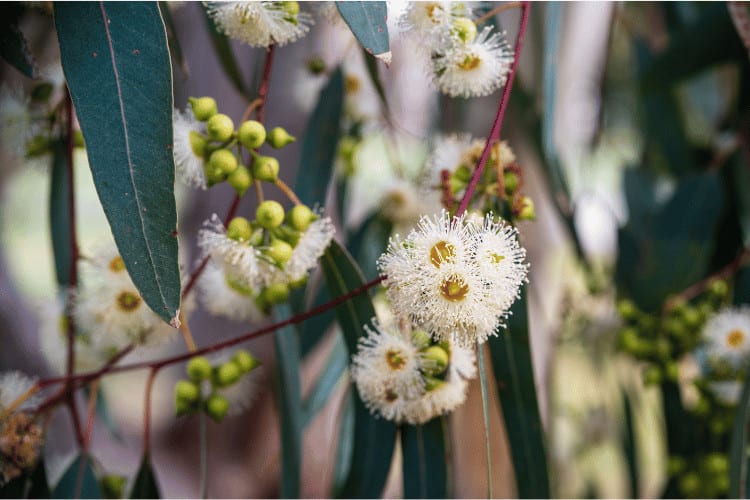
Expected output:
(263, 89)
(497, 124)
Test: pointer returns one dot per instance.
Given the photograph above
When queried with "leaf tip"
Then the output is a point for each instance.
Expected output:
(175, 322)
(386, 57)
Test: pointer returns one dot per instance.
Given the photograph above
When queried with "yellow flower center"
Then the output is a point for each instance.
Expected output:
(128, 301)
(469, 63)
(351, 84)
(442, 252)
(117, 264)
(496, 258)
(736, 338)
(454, 288)
(431, 8)
(390, 396)
(395, 359)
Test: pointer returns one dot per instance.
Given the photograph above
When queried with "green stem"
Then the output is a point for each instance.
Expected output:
(486, 415)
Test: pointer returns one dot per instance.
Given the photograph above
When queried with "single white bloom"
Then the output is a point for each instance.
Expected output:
(12, 386)
(223, 296)
(430, 21)
(240, 259)
(190, 167)
(473, 69)
(450, 152)
(728, 336)
(105, 263)
(259, 24)
(310, 247)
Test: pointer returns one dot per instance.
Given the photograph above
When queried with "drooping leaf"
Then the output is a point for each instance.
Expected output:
(59, 215)
(368, 22)
(369, 242)
(77, 482)
(345, 446)
(226, 58)
(553, 22)
(328, 380)
(738, 457)
(319, 145)
(117, 67)
(13, 46)
(290, 406)
(145, 485)
(424, 467)
(512, 364)
(374, 438)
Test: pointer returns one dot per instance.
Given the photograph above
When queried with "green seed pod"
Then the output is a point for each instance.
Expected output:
(214, 175)
(435, 361)
(270, 214)
(251, 134)
(692, 317)
(198, 369)
(421, 339)
(291, 8)
(182, 407)
(226, 374)
(279, 251)
(220, 127)
(198, 143)
(203, 107)
(224, 160)
(464, 29)
(298, 283)
(510, 180)
(217, 407)
(187, 391)
(300, 217)
(239, 229)
(245, 361)
(266, 168)
(432, 383)
(240, 179)
(275, 294)
(527, 209)
(278, 138)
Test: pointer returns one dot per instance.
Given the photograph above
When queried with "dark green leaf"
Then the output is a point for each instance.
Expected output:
(369, 242)
(39, 487)
(226, 58)
(741, 178)
(290, 406)
(334, 369)
(629, 446)
(319, 145)
(742, 286)
(512, 364)
(15, 488)
(367, 20)
(145, 485)
(59, 215)
(345, 446)
(424, 467)
(78, 481)
(374, 438)
(13, 46)
(738, 457)
(312, 330)
(117, 67)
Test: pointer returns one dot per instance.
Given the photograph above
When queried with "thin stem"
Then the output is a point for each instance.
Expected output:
(287, 191)
(19, 401)
(258, 191)
(252, 107)
(185, 330)
(203, 489)
(497, 124)
(486, 415)
(91, 412)
(264, 83)
(147, 411)
(498, 10)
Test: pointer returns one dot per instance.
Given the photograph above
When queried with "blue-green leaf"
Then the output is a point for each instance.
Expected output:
(13, 46)
(319, 145)
(290, 406)
(738, 457)
(369, 242)
(73, 484)
(424, 467)
(334, 369)
(368, 22)
(118, 70)
(145, 485)
(345, 446)
(59, 215)
(374, 438)
(512, 364)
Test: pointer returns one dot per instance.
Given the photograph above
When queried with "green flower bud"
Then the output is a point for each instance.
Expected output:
(113, 486)
(672, 371)
(251, 134)
(627, 309)
(78, 140)
(240, 179)
(719, 289)
(186, 391)
(220, 127)
(300, 217)
(628, 339)
(316, 66)
(245, 361)
(278, 138)
(198, 369)
(435, 361)
(663, 348)
(432, 383)
(279, 251)
(226, 374)
(198, 143)
(510, 179)
(266, 168)
(675, 465)
(702, 407)
(692, 317)
(527, 209)
(652, 375)
(299, 283)
(224, 160)
(689, 484)
(347, 150)
(716, 464)
(275, 294)
(214, 175)
(183, 407)
(464, 29)
(291, 8)
(217, 407)
(421, 339)
(239, 229)
(462, 173)
(456, 185)
(38, 146)
(203, 107)
(270, 214)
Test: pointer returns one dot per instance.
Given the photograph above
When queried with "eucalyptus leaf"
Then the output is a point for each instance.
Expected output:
(145, 485)
(78, 481)
(14, 48)
(629, 446)
(424, 464)
(328, 380)
(368, 22)
(738, 457)
(60, 216)
(120, 79)
(345, 445)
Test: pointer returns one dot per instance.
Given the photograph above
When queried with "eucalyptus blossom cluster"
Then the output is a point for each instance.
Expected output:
(21, 437)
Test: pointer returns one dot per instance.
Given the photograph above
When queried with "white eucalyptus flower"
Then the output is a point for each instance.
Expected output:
(189, 166)
(728, 336)
(221, 295)
(241, 259)
(259, 24)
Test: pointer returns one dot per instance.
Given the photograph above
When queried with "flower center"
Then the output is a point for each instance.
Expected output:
(736, 338)
(351, 84)
(128, 301)
(390, 396)
(454, 288)
(469, 63)
(395, 359)
(442, 252)
(117, 264)
(496, 258)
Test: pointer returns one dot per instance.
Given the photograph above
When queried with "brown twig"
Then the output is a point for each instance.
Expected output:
(498, 10)
(287, 191)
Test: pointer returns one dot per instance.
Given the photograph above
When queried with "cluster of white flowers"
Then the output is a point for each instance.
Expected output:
(260, 24)
(20, 436)
(189, 165)
(453, 278)
(464, 63)
(462, 150)
(727, 349)
(405, 378)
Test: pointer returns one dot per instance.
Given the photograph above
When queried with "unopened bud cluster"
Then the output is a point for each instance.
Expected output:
(202, 390)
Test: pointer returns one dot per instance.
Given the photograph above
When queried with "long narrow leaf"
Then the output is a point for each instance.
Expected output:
(13, 46)
(335, 366)
(424, 467)
(367, 20)
(59, 215)
(145, 485)
(69, 485)
(738, 457)
(345, 446)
